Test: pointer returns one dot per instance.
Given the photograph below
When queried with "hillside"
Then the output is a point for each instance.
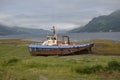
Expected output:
(106, 23)
(5, 30)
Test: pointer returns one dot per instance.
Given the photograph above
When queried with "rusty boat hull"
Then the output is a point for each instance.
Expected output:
(44, 50)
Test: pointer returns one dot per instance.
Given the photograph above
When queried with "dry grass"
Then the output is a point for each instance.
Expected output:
(106, 47)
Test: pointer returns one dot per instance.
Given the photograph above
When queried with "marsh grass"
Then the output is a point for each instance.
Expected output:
(106, 47)
(111, 66)
(10, 62)
(17, 64)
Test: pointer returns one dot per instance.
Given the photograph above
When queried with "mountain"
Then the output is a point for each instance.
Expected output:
(5, 30)
(31, 31)
(106, 23)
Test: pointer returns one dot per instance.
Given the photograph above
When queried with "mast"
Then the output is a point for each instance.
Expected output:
(54, 35)
(54, 32)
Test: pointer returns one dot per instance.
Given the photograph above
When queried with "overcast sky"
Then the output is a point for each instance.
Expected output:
(64, 14)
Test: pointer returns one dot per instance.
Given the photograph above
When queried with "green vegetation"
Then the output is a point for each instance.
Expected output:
(17, 64)
(111, 66)
(107, 23)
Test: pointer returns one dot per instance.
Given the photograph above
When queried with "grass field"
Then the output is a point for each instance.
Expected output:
(17, 64)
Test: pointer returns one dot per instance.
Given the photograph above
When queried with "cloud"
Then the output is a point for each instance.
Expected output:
(66, 14)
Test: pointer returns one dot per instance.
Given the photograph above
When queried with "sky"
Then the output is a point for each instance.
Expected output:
(43, 14)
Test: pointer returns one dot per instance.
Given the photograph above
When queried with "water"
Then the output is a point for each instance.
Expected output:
(73, 36)
(99, 35)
